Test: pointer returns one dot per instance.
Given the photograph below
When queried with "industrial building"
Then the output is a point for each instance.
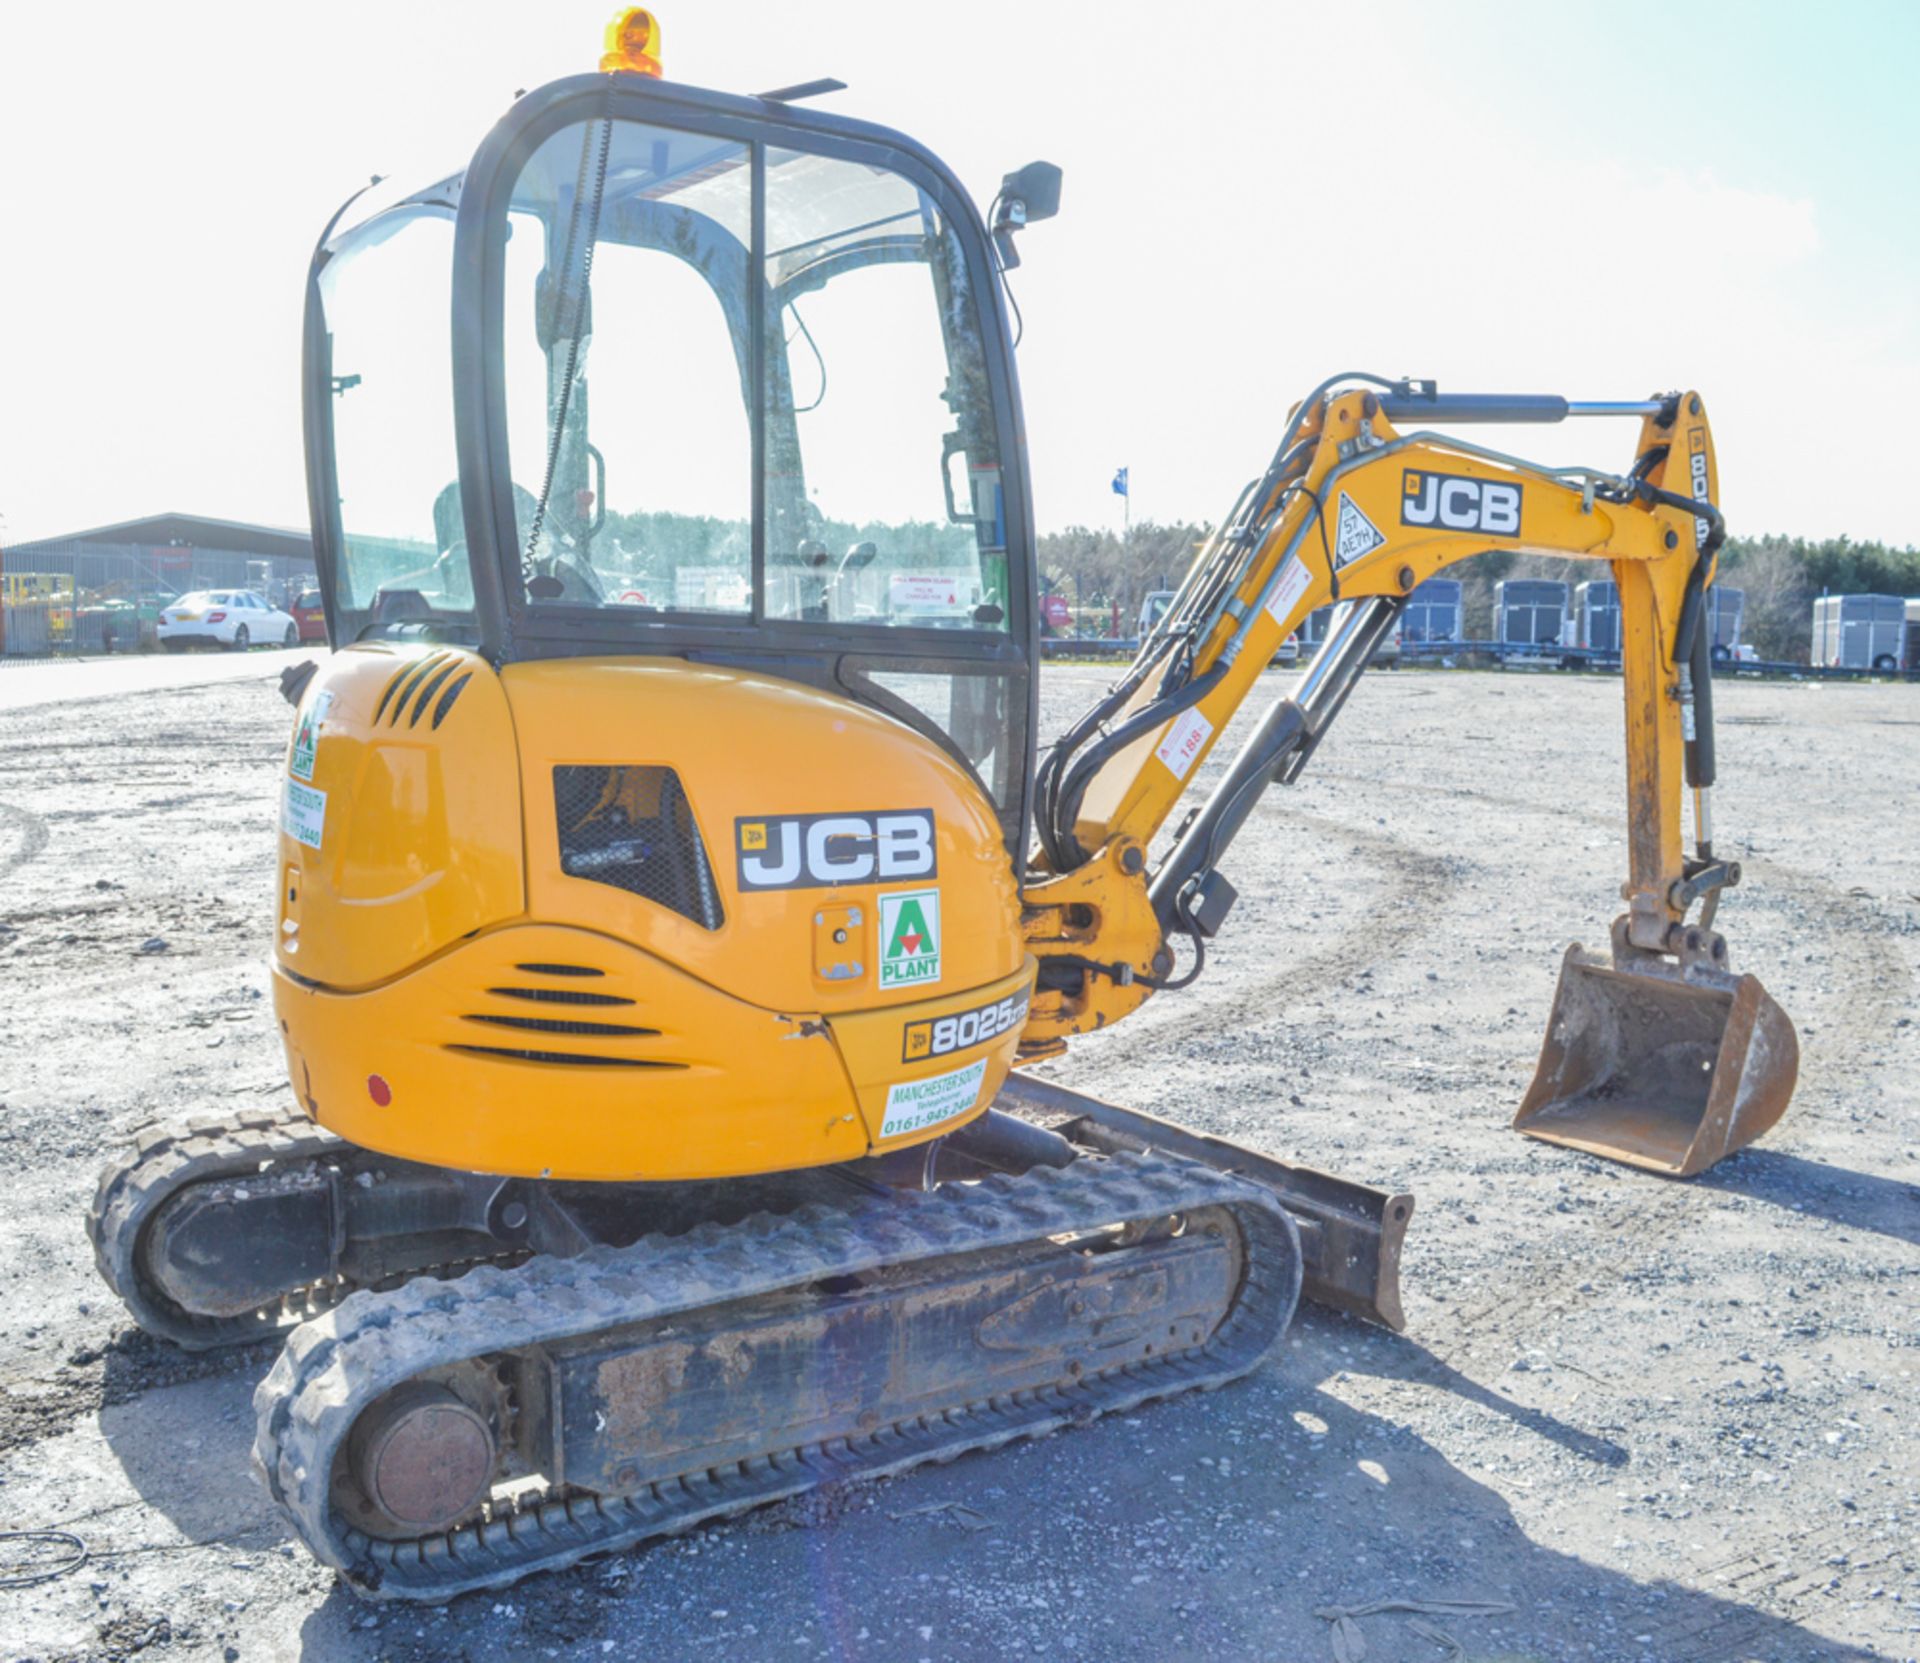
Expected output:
(93, 590)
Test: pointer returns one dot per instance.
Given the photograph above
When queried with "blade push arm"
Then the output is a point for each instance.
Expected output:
(1354, 509)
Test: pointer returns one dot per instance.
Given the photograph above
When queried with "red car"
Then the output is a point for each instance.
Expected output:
(307, 613)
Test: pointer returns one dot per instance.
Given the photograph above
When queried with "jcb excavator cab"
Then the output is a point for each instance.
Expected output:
(716, 516)
(731, 380)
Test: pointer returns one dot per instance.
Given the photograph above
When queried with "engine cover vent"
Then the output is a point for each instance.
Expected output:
(630, 826)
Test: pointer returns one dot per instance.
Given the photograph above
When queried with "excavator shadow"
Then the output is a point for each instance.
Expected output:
(1212, 1526)
(183, 1445)
(1852, 1200)
(1391, 1356)
(1285, 1496)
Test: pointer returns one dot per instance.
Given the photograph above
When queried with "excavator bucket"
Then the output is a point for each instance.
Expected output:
(1661, 1073)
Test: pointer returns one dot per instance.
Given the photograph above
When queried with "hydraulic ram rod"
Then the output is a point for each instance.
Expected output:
(1507, 407)
(1284, 740)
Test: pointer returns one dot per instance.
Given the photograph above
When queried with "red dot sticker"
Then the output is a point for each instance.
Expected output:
(379, 1090)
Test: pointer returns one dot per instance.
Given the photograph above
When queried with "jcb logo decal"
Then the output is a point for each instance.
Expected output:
(937, 1036)
(1453, 502)
(817, 851)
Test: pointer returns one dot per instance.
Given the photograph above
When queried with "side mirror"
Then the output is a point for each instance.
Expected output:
(1030, 194)
(858, 558)
(1035, 189)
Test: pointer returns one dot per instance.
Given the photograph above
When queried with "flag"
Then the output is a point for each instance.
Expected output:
(1120, 483)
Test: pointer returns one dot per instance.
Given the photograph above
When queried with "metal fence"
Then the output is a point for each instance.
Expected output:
(83, 599)
(47, 611)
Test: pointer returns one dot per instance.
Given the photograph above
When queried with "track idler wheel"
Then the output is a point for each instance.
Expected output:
(422, 1458)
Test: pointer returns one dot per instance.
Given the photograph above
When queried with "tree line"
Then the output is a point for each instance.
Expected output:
(1097, 572)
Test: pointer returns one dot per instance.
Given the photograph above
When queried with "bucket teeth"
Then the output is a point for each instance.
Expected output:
(1645, 1067)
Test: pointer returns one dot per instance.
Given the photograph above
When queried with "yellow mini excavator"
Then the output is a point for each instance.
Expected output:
(670, 879)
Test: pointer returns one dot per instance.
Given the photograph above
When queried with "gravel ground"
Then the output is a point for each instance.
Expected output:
(1659, 1421)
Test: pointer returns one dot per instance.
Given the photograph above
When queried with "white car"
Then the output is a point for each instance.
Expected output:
(232, 618)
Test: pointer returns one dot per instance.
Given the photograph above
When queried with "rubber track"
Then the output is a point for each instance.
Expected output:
(335, 1366)
(163, 1161)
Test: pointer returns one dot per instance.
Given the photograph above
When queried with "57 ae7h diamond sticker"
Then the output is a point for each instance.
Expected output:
(1356, 534)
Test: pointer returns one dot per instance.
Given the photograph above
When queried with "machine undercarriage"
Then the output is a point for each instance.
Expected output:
(524, 1377)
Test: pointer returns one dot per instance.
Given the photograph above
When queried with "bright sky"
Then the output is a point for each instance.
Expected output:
(1595, 199)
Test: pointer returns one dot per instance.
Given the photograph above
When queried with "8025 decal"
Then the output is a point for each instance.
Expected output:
(937, 1036)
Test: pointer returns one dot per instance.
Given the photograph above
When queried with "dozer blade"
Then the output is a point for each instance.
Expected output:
(1657, 1072)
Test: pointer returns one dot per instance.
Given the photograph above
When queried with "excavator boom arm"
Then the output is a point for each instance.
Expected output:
(1354, 509)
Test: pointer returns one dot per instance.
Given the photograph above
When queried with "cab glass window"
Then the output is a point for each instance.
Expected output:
(627, 358)
(642, 305)
(384, 293)
(882, 478)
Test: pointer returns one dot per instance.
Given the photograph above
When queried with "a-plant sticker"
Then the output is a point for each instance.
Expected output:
(306, 735)
(910, 938)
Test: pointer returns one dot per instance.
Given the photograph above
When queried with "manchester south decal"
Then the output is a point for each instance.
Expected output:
(1454, 502)
(818, 851)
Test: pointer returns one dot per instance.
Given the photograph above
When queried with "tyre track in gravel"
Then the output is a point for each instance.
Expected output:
(1772, 1578)
(1413, 885)
(1864, 959)
(1885, 978)
(29, 833)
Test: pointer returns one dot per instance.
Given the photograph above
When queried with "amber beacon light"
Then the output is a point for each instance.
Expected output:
(633, 42)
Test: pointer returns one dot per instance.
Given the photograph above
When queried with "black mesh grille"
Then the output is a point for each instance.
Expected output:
(629, 826)
(560, 1025)
(559, 995)
(560, 1059)
(445, 702)
(393, 702)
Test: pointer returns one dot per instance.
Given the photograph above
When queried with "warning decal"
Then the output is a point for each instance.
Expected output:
(1182, 744)
(1294, 582)
(1357, 535)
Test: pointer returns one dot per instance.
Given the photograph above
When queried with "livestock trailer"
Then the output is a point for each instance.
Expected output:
(1726, 611)
(1859, 632)
(1433, 612)
(1530, 612)
(1597, 604)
